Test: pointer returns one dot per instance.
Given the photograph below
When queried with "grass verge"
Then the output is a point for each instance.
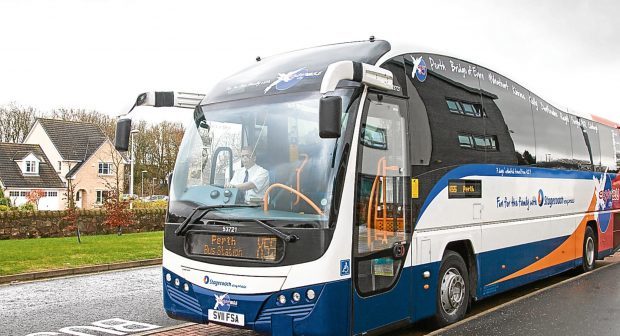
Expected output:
(32, 255)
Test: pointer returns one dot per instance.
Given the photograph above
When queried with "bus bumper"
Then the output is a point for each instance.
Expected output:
(326, 314)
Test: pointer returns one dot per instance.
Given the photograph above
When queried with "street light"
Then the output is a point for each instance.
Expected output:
(142, 182)
(132, 154)
(153, 186)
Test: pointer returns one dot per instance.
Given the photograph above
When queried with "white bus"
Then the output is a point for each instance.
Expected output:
(400, 186)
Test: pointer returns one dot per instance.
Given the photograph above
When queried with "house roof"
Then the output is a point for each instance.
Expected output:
(11, 174)
(76, 141)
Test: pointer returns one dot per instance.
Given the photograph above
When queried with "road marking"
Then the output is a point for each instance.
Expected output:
(113, 326)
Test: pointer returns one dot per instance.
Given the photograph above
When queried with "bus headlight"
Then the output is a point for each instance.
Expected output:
(177, 282)
(310, 294)
(296, 297)
(282, 299)
(186, 287)
(168, 277)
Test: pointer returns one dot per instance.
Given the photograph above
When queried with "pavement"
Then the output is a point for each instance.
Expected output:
(76, 270)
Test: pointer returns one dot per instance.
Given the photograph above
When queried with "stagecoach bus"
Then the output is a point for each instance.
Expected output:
(400, 186)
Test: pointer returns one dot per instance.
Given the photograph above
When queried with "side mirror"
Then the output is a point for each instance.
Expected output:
(121, 138)
(330, 109)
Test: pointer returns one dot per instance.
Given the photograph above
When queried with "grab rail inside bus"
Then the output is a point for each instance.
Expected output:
(285, 187)
(298, 174)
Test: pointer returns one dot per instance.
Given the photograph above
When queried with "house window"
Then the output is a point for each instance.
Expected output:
(50, 194)
(13, 193)
(59, 165)
(465, 108)
(102, 195)
(31, 167)
(105, 168)
(480, 142)
(24, 193)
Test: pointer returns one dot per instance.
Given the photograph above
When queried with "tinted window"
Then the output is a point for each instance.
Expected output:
(592, 129)
(608, 151)
(616, 135)
(581, 153)
(517, 108)
(553, 140)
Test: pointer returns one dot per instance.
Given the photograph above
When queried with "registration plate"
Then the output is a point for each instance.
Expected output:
(226, 317)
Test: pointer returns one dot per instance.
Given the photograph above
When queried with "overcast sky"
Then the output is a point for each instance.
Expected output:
(99, 54)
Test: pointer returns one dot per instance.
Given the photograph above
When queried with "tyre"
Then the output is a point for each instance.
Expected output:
(589, 250)
(452, 290)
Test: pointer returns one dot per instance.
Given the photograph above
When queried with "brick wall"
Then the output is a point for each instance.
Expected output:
(44, 224)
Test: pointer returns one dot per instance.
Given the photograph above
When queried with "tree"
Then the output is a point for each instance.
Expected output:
(105, 122)
(34, 196)
(156, 149)
(118, 214)
(15, 122)
(71, 218)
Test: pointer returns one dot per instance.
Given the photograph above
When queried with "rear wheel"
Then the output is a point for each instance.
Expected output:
(589, 250)
(452, 289)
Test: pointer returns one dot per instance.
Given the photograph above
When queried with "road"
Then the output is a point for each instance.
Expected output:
(46, 307)
(131, 300)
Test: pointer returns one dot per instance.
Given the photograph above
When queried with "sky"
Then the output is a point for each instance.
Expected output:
(100, 55)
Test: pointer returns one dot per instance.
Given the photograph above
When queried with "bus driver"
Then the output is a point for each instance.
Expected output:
(251, 179)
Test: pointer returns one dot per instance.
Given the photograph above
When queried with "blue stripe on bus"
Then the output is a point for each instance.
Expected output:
(514, 258)
(509, 171)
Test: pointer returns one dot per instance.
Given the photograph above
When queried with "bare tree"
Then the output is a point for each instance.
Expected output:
(15, 122)
(105, 122)
(118, 214)
(71, 218)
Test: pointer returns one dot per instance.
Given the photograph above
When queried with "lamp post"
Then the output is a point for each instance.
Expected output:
(132, 158)
(153, 186)
(142, 183)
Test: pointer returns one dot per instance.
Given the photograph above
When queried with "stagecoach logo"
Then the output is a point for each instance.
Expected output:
(287, 80)
(541, 198)
(215, 283)
(419, 69)
(223, 302)
(606, 195)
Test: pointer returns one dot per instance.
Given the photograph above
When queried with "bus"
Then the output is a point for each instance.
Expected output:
(396, 186)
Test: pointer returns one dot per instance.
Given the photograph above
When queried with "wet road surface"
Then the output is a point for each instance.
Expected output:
(50, 305)
(589, 305)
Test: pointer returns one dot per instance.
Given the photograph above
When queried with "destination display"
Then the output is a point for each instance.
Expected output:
(262, 248)
(464, 189)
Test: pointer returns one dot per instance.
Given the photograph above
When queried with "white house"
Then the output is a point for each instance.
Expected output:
(23, 168)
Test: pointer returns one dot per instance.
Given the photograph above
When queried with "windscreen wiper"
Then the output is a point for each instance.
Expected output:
(289, 238)
(180, 231)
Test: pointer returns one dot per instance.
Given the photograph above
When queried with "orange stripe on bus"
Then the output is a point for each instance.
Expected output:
(570, 249)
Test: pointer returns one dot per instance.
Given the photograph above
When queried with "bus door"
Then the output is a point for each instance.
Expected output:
(382, 232)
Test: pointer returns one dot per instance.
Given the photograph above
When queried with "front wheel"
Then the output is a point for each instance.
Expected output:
(589, 251)
(452, 289)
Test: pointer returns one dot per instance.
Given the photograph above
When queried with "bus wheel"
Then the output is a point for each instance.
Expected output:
(452, 290)
(589, 250)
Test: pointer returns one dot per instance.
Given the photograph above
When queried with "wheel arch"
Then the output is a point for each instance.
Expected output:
(594, 225)
(466, 250)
